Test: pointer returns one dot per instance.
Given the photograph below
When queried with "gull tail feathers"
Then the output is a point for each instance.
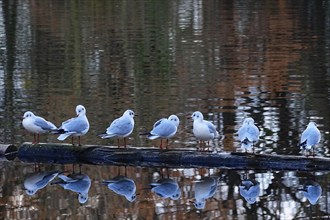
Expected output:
(105, 135)
(62, 137)
(57, 131)
(246, 144)
(303, 145)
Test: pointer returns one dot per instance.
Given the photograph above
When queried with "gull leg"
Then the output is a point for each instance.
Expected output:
(161, 144)
(125, 142)
(38, 135)
(79, 141)
(72, 140)
(166, 143)
(34, 139)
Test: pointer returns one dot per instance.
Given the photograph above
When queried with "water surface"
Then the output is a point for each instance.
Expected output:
(228, 59)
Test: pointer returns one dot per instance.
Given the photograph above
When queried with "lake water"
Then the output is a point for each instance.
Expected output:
(269, 60)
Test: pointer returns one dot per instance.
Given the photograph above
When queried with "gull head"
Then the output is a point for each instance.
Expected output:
(197, 116)
(30, 192)
(248, 121)
(176, 195)
(28, 114)
(80, 110)
(82, 197)
(131, 198)
(199, 204)
(312, 124)
(129, 113)
(174, 119)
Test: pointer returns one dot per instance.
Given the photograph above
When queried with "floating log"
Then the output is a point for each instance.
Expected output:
(7, 152)
(172, 158)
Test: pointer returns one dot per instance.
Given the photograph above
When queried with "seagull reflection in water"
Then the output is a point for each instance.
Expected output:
(166, 188)
(250, 190)
(79, 183)
(123, 186)
(38, 180)
(312, 191)
(205, 188)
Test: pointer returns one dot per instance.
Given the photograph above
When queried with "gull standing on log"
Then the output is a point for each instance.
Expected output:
(310, 137)
(248, 134)
(202, 129)
(36, 125)
(164, 128)
(77, 126)
(120, 127)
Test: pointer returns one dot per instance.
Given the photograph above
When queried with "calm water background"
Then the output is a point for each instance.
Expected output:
(228, 59)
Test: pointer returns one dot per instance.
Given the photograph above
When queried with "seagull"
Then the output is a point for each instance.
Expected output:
(36, 125)
(39, 180)
(310, 137)
(204, 188)
(120, 127)
(166, 188)
(250, 190)
(79, 183)
(248, 134)
(164, 128)
(123, 186)
(312, 191)
(77, 126)
(202, 129)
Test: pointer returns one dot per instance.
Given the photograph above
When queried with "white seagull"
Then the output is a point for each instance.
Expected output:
(39, 180)
(120, 127)
(248, 134)
(166, 188)
(79, 183)
(310, 137)
(77, 126)
(123, 186)
(250, 190)
(202, 129)
(205, 188)
(36, 125)
(164, 128)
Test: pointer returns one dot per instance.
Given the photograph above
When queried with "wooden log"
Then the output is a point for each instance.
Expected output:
(7, 152)
(173, 158)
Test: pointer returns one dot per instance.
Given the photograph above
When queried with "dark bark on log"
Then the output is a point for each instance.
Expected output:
(174, 158)
(7, 152)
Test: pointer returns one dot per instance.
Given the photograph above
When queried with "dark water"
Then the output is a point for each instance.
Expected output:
(228, 59)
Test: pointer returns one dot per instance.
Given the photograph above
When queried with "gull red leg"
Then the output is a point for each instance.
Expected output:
(161, 144)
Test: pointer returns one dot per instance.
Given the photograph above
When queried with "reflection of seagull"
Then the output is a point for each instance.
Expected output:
(36, 125)
(204, 188)
(38, 181)
(164, 128)
(120, 127)
(310, 137)
(166, 188)
(248, 134)
(123, 186)
(79, 183)
(202, 129)
(312, 191)
(250, 190)
(77, 126)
